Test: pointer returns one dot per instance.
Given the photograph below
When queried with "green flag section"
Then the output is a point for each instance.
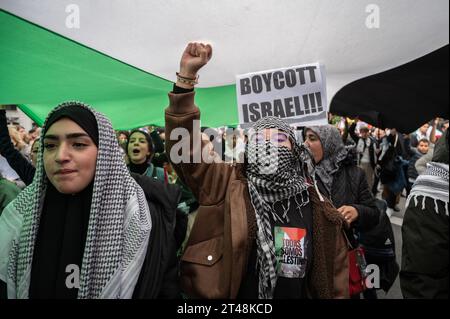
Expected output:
(40, 69)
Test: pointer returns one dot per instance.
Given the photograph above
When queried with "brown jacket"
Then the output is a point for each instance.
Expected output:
(215, 259)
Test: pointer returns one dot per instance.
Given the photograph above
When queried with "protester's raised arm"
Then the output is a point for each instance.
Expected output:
(351, 130)
(433, 132)
(197, 166)
(194, 57)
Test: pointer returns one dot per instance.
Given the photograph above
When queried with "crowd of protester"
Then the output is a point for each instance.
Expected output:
(246, 224)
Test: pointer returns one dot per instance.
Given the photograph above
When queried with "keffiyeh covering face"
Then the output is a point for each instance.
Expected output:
(118, 228)
(275, 174)
(334, 152)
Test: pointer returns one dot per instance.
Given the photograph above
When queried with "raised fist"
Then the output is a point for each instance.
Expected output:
(194, 57)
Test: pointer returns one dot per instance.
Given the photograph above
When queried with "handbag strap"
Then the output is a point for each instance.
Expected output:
(349, 244)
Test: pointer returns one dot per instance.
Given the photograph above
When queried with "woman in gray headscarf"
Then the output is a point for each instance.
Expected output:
(341, 180)
(85, 228)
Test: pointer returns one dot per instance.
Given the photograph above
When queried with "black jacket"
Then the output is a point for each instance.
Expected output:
(400, 149)
(159, 274)
(372, 147)
(425, 259)
(15, 159)
(350, 188)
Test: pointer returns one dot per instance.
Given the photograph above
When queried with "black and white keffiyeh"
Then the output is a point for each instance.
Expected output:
(275, 175)
(433, 183)
(118, 229)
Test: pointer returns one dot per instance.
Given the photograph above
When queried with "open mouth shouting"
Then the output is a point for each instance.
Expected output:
(137, 155)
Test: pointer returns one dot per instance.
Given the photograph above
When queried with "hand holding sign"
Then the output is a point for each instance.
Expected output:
(194, 57)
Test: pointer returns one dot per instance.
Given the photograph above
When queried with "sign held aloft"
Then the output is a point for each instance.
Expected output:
(296, 94)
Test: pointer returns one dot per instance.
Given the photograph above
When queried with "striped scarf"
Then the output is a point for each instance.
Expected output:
(275, 175)
(433, 183)
(118, 230)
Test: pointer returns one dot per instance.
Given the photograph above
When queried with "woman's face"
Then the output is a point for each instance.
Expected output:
(70, 156)
(312, 141)
(138, 150)
(122, 138)
(34, 152)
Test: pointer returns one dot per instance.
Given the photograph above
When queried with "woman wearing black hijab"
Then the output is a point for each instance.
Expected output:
(84, 228)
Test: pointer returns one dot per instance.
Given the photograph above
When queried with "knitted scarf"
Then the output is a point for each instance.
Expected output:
(275, 174)
(433, 183)
(118, 229)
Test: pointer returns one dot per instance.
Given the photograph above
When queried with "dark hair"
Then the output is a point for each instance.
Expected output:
(32, 144)
(441, 148)
(159, 159)
(364, 128)
(441, 124)
(423, 140)
(160, 129)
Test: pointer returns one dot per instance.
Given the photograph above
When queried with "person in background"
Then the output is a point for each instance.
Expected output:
(379, 137)
(415, 154)
(34, 134)
(122, 138)
(444, 126)
(366, 151)
(140, 151)
(24, 169)
(158, 142)
(419, 134)
(394, 164)
(425, 231)
(34, 152)
(8, 192)
(421, 163)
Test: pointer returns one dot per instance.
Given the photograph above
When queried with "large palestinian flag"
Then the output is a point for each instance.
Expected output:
(384, 61)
